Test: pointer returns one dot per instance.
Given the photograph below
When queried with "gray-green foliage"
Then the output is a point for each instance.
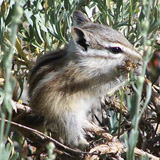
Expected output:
(50, 147)
(134, 102)
(6, 93)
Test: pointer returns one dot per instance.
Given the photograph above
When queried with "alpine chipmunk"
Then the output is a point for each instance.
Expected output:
(64, 85)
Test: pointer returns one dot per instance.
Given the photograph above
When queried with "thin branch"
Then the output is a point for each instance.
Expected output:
(45, 136)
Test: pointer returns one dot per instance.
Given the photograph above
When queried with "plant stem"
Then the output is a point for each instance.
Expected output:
(9, 82)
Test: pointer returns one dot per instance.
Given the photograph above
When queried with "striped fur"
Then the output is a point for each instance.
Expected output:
(65, 84)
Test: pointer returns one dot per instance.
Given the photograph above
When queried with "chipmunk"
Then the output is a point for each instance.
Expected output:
(65, 84)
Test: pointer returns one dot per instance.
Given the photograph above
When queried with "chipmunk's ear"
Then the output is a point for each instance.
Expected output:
(80, 37)
(79, 18)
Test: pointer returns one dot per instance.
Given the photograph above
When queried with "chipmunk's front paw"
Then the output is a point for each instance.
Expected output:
(83, 144)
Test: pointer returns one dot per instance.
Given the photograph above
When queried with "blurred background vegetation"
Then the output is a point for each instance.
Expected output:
(31, 28)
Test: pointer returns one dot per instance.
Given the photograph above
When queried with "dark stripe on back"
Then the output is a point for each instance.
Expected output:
(52, 60)
(48, 58)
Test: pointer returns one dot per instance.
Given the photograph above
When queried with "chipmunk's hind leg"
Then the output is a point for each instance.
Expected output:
(72, 131)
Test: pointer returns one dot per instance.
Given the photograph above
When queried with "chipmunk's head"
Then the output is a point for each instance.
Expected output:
(97, 41)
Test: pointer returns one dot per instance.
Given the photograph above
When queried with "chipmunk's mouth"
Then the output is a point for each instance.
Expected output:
(129, 65)
(135, 66)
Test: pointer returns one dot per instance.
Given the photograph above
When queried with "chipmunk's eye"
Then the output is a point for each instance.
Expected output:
(115, 50)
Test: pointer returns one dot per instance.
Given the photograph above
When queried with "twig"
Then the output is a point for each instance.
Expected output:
(45, 136)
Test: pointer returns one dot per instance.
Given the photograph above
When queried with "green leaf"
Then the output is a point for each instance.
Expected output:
(1, 95)
(5, 151)
(28, 15)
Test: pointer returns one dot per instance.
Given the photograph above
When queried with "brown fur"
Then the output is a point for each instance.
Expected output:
(65, 84)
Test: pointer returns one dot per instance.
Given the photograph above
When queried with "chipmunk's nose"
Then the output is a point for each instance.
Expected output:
(139, 56)
(134, 54)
